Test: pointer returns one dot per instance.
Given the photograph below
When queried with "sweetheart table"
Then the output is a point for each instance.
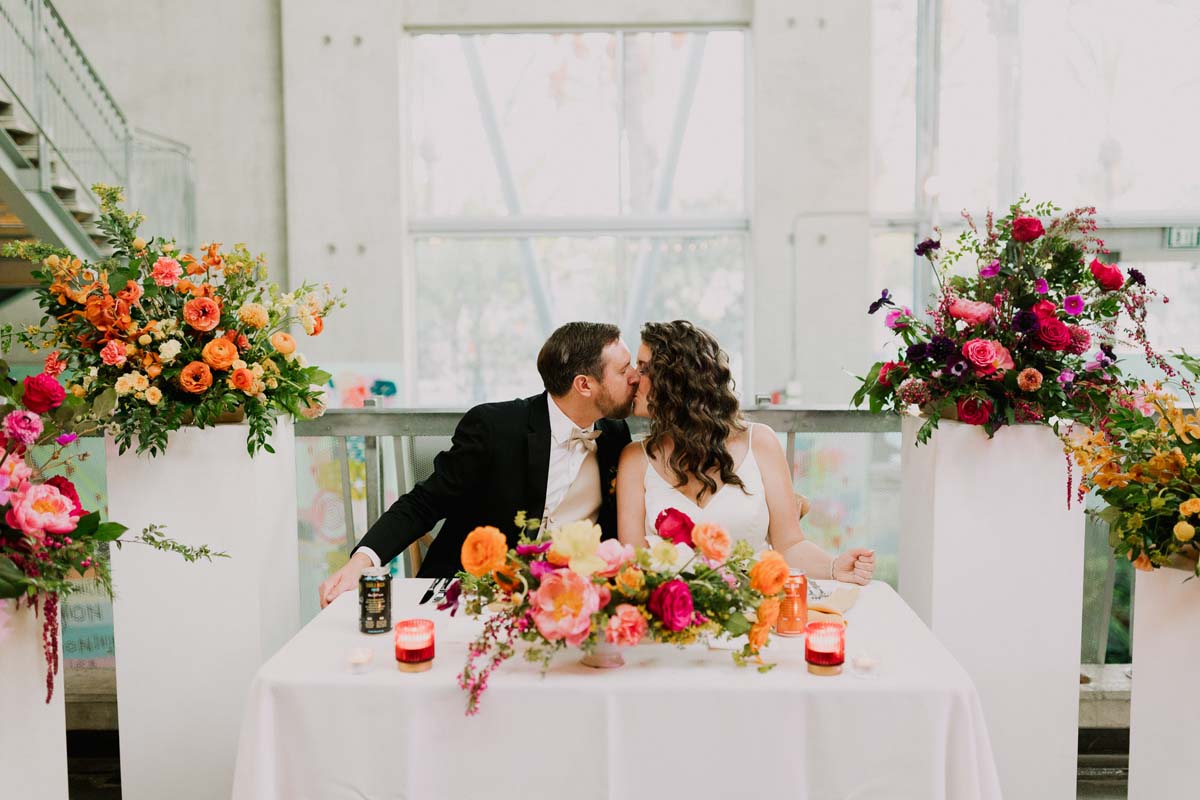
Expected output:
(673, 722)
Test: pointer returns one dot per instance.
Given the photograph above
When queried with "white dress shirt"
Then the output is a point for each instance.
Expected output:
(564, 464)
(564, 460)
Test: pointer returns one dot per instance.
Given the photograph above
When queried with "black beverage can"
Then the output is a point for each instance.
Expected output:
(375, 600)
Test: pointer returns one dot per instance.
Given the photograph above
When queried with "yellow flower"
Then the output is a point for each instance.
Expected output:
(578, 542)
(1184, 532)
(254, 314)
(1157, 502)
(153, 395)
(140, 382)
(630, 581)
(1134, 521)
(1189, 507)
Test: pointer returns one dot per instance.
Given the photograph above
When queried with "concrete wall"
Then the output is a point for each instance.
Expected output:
(207, 74)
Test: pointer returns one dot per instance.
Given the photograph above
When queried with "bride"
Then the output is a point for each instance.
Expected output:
(703, 459)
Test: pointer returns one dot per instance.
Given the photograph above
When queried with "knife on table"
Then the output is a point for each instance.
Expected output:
(425, 598)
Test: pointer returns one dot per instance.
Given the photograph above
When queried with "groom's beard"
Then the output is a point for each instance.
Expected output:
(611, 408)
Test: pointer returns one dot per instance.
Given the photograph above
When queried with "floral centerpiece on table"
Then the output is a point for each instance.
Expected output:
(159, 338)
(1027, 336)
(1145, 464)
(46, 536)
(568, 588)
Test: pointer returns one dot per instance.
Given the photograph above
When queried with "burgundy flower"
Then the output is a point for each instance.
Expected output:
(973, 410)
(67, 490)
(450, 598)
(926, 247)
(1081, 340)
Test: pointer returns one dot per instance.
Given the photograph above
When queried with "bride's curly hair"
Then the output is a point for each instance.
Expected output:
(691, 403)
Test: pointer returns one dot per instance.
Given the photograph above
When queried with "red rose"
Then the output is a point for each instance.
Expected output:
(1044, 308)
(1026, 229)
(974, 411)
(43, 393)
(1054, 333)
(1107, 275)
(67, 490)
(885, 371)
(675, 526)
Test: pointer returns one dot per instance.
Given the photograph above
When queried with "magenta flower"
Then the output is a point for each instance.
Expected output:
(1073, 305)
(672, 603)
(893, 318)
(533, 549)
(990, 270)
(450, 598)
(541, 569)
(23, 426)
(66, 438)
(1066, 376)
(1042, 286)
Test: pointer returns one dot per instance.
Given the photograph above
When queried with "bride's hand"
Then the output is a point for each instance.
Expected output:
(854, 566)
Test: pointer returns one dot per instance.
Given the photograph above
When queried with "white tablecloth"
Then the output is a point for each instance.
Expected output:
(671, 723)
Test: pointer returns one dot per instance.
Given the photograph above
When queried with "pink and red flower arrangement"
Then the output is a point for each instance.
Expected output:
(568, 588)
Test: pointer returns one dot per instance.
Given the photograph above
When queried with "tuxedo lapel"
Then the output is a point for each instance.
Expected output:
(538, 443)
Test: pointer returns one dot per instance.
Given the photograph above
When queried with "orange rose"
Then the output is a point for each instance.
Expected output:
(484, 550)
(184, 286)
(242, 380)
(202, 314)
(318, 325)
(220, 354)
(283, 342)
(768, 611)
(712, 540)
(556, 558)
(195, 378)
(758, 636)
(769, 574)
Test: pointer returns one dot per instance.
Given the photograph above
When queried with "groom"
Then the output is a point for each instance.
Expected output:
(552, 455)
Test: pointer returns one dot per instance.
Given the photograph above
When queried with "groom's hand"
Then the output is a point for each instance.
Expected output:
(855, 566)
(344, 579)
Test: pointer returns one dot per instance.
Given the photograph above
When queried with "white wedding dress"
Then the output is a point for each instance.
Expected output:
(743, 514)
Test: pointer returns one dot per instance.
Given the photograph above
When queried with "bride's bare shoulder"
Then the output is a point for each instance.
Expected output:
(633, 454)
(764, 440)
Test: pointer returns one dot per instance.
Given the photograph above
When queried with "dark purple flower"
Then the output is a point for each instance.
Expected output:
(533, 549)
(885, 299)
(450, 598)
(917, 352)
(1108, 352)
(1137, 277)
(957, 366)
(926, 247)
(941, 348)
(1025, 322)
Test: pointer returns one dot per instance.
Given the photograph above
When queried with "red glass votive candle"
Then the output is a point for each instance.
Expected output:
(414, 644)
(825, 647)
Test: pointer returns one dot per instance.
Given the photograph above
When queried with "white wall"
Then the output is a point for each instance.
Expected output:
(208, 75)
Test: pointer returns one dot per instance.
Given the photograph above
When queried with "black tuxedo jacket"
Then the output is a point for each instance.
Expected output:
(497, 465)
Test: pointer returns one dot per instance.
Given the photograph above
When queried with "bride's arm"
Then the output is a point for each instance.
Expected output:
(631, 495)
(784, 534)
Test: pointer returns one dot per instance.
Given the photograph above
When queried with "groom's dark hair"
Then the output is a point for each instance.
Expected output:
(576, 348)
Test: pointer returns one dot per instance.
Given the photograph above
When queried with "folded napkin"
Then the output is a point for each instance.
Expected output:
(835, 606)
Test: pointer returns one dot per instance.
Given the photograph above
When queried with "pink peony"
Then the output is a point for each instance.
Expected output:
(42, 393)
(113, 354)
(675, 526)
(604, 594)
(626, 627)
(615, 555)
(67, 490)
(41, 509)
(563, 605)
(972, 312)
(672, 604)
(166, 271)
(22, 426)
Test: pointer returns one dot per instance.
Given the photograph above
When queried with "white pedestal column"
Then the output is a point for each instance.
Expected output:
(1164, 718)
(33, 734)
(992, 560)
(189, 637)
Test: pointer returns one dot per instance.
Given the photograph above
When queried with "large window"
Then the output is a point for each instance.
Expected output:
(560, 176)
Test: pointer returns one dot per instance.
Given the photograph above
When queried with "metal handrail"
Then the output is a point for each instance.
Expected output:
(404, 425)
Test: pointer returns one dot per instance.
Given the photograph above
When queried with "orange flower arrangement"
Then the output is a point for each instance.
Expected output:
(484, 551)
(140, 335)
(769, 574)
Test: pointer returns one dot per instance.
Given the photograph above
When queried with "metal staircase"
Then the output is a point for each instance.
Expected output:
(60, 133)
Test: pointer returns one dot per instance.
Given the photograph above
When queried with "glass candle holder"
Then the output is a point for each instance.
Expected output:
(414, 645)
(825, 647)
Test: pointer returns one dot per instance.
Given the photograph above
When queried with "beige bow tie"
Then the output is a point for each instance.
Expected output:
(587, 440)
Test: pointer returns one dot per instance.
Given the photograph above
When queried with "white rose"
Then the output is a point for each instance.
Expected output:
(168, 350)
